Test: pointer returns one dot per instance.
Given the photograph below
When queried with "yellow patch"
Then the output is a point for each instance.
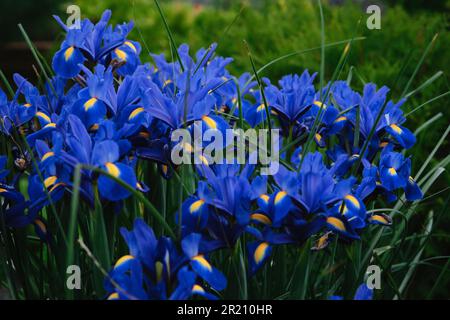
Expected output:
(50, 181)
(203, 262)
(335, 222)
(56, 186)
(318, 137)
(135, 113)
(47, 155)
(167, 82)
(340, 119)
(27, 105)
(68, 53)
(260, 252)
(43, 116)
(112, 169)
(353, 201)
(392, 171)
(89, 104)
(280, 196)
(123, 260)
(94, 127)
(121, 54)
(379, 219)
(194, 207)
(396, 128)
(210, 122)
(50, 125)
(261, 107)
(197, 289)
(261, 218)
(131, 45)
(383, 144)
(264, 197)
(343, 208)
(2, 190)
(113, 296)
(320, 104)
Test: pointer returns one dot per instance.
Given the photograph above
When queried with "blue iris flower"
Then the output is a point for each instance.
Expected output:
(395, 173)
(154, 269)
(89, 41)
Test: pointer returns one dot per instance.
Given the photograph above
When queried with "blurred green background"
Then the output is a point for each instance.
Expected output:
(274, 28)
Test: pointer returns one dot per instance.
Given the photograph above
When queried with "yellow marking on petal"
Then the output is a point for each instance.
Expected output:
(50, 181)
(50, 125)
(335, 222)
(89, 104)
(261, 218)
(123, 260)
(383, 144)
(2, 190)
(353, 201)
(343, 208)
(167, 82)
(94, 127)
(121, 54)
(112, 169)
(43, 116)
(194, 207)
(392, 171)
(113, 296)
(260, 252)
(210, 122)
(47, 155)
(135, 113)
(159, 270)
(164, 168)
(131, 45)
(318, 137)
(261, 107)
(340, 119)
(56, 186)
(203, 262)
(280, 196)
(41, 225)
(27, 105)
(320, 104)
(234, 100)
(396, 128)
(379, 218)
(68, 53)
(197, 289)
(264, 197)
(322, 241)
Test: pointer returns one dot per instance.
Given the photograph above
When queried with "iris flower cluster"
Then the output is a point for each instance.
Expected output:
(105, 109)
